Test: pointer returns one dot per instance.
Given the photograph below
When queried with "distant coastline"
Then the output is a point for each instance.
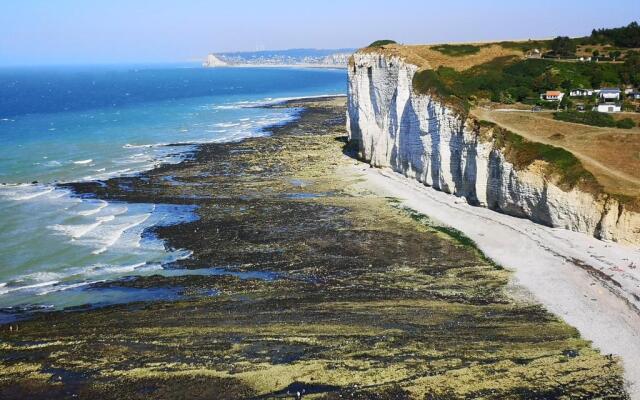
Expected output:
(294, 58)
(320, 66)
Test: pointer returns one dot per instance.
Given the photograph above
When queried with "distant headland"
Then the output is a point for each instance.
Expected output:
(312, 58)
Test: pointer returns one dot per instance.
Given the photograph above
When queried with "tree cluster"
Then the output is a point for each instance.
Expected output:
(563, 46)
(628, 36)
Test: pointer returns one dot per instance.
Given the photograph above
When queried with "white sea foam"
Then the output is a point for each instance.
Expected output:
(25, 192)
(109, 237)
(145, 146)
(8, 289)
(96, 210)
(108, 174)
(41, 276)
(82, 162)
(268, 101)
(142, 267)
(43, 283)
(63, 287)
(102, 272)
(78, 231)
(53, 163)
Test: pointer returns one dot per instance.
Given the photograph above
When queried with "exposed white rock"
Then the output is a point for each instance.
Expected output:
(213, 61)
(420, 137)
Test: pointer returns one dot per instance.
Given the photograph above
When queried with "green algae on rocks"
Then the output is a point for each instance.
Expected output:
(371, 300)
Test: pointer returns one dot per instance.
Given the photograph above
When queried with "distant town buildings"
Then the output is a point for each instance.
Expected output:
(606, 100)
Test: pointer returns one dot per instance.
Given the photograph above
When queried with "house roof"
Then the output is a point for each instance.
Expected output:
(609, 90)
(553, 93)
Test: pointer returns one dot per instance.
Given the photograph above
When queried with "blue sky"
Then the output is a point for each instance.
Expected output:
(99, 31)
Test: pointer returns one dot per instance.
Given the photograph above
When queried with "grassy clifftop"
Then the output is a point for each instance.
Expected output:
(502, 72)
(518, 71)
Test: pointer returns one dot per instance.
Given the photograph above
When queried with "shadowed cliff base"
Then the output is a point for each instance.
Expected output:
(367, 299)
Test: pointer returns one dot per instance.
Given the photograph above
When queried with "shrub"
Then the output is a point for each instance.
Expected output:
(632, 67)
(457, 50)
(592, 118)
(563, 46)
(430, 81)
(626, 123)
(526, 46)
(547, 105)
(380, 43)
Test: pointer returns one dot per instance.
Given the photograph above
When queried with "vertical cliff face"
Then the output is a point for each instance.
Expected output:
(421, 137)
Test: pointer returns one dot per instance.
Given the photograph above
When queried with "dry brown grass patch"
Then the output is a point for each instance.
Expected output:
(427, 57)
(611, 155)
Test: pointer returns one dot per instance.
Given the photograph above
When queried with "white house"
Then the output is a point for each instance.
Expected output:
(608, 108)
(609, 95)
(581, 92)
(552, 95)
(609, 100)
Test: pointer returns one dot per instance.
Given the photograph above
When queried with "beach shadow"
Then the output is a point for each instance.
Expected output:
(350, 148)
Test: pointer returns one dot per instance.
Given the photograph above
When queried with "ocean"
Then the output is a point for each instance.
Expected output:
(69, 124)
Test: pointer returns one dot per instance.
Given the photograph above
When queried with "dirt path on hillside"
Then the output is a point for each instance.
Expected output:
(542, 129)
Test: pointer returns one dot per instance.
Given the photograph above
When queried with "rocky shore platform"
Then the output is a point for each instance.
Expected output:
(329, 290)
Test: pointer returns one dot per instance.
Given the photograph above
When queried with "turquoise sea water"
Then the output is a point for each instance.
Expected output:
(68, 124)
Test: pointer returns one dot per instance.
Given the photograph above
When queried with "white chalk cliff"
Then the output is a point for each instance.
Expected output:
(213, 61)
(419, 136)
